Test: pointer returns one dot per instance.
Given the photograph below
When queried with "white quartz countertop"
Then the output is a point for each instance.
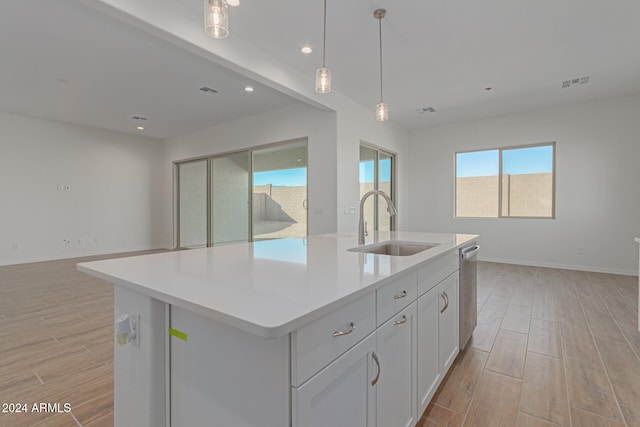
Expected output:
(270, 288)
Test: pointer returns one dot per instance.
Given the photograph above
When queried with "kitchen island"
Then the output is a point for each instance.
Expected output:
(285, 332)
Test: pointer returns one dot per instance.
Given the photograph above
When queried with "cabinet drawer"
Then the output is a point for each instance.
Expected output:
(317, 344)
(437, 270)
(395, 296)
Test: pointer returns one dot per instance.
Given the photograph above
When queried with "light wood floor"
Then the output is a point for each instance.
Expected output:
(56, 344)
(552, 347)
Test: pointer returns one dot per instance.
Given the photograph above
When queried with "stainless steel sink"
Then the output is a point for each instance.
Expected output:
(393, 248)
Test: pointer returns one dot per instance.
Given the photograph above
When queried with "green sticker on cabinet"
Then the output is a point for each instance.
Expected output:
(178, 334)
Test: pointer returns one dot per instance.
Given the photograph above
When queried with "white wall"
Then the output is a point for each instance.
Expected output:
(333, 153)
(355, 124)
(597, 202)
(112, 197)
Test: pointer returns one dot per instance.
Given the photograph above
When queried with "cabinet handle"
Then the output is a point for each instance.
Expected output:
(375, 359)
(401, 321)
(347, 332)
(445, 297)
(400, 295)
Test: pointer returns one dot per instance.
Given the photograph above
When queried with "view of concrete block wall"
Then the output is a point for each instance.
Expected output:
(279, 211)
(527, 195)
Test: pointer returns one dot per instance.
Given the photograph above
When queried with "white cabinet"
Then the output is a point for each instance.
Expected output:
(396, 387)
(374, 362)
(437, 313)
(448, 341)
(342, 394)
(428, 367)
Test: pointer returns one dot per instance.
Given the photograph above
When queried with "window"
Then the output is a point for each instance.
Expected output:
(515, 182)
(377, 173)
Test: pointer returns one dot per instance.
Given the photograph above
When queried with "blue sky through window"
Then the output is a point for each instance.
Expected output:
(366, 171)
(282, 178)
(514, 161)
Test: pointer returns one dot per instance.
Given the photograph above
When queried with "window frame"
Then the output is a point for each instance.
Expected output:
(500, 150)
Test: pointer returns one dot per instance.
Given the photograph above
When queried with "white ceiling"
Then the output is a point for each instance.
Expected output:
(61, 60)
(443, 54)
(65, 61)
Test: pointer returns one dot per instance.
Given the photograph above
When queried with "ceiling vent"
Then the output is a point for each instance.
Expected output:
(138, 118)
(574, 82)
(208, 90)
(426, 110)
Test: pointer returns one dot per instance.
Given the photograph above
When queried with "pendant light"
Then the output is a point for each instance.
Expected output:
(382, 110)
(323, 75)
(216, 19)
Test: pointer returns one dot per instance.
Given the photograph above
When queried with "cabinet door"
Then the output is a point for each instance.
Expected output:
(342, 394)
(428, 365)
(396, 387)
(448, 324)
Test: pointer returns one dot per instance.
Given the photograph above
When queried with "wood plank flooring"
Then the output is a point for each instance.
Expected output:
(552, 348)
(56, 344)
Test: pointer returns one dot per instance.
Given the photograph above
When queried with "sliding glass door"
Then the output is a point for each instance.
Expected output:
(377, 173)
(280, 191)
(192, 204)
(249, 195)
(230, 198)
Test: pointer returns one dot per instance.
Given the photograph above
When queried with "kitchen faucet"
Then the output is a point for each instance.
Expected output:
(390, 208)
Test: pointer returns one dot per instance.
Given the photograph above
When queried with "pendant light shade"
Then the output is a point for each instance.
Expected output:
(216, 19)
(323, 80)
(382, 112)
(382, 109)
(323, 75)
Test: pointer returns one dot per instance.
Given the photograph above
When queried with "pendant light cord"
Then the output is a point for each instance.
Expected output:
(380, 32)
(324, 35)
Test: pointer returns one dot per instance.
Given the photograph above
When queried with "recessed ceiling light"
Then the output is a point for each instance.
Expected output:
(306, 49)
(140, 128)
(233, 2)
(248, 89)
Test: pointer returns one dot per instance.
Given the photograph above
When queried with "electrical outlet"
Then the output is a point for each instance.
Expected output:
(81, 241)
(66, 242)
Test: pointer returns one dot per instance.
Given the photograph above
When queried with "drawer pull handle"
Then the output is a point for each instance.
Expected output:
(401, 321)
(400, 295)
(347, 332)
(445, 297)
(375, 359)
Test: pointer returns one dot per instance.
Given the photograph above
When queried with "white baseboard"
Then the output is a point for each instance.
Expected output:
(75, 255)
(624, 272)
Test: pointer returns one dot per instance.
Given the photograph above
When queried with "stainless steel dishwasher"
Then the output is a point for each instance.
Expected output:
(468, 292)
